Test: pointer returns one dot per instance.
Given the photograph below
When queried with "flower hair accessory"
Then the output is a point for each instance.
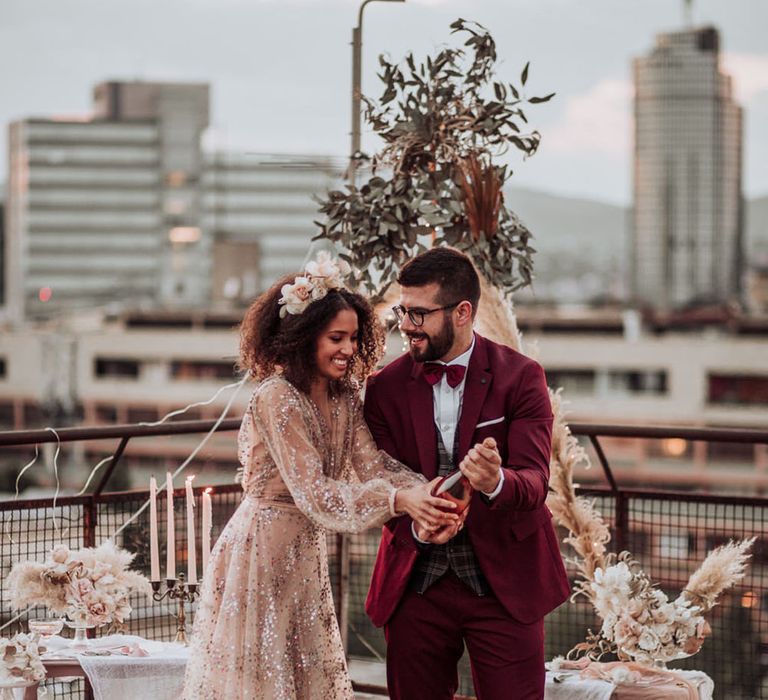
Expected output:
(320, 276)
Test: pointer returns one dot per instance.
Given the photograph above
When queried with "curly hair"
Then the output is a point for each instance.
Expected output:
(270, 344)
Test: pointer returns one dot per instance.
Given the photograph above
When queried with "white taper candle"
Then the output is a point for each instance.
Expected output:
(206, 528)
(170, 538)
(191, 549)
(154, 549)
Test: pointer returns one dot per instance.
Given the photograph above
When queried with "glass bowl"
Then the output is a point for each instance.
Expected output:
(45, 628)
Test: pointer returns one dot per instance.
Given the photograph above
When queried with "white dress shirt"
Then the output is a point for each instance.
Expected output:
(447, 399)
(446, 402)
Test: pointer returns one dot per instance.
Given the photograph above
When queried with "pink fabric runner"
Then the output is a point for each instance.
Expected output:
(635, 681)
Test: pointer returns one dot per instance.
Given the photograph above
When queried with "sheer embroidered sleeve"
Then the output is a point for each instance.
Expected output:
(370, 462)
(283, 419)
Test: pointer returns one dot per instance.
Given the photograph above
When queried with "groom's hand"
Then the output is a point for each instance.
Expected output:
(482, 465)
(443, 534)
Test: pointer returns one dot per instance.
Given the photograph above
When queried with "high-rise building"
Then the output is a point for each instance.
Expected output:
(123, 208)
(687, 218)
(94, 204)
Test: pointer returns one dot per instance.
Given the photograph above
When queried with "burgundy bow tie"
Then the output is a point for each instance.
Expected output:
(434, 371)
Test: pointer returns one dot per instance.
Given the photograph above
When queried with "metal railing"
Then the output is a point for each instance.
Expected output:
(669, 532)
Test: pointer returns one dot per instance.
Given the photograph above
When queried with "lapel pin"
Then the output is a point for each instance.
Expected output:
(483, 380)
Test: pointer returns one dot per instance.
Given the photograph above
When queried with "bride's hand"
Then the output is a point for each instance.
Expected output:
(426, 510)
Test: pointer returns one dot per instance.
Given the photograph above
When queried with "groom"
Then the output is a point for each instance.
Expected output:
(490, 586)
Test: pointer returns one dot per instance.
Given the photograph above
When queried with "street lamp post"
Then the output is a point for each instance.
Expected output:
(357, 48)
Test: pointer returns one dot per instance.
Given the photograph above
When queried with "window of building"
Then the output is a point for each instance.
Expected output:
(7, 416)
(142, 414)
(176, 178)
(3, 368)
(116, 367)
(33, 416)
(201, 370)
(737, 389)
(760, 553)
(731, 451)
(674, 545)
(675, 448)
(572, 381)
(637, 542)
(106, 413)
(637, 381)
(712, 541)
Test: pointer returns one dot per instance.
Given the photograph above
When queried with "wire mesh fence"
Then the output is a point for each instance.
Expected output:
(668, 533)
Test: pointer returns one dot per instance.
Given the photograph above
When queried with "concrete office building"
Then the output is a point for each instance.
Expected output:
(95, 206)
(123, 209)
(687, 219)
(259, 211)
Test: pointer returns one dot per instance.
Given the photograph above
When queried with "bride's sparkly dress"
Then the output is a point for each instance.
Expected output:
(265, 626)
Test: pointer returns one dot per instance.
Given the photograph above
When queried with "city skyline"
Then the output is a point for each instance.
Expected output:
(286, 68)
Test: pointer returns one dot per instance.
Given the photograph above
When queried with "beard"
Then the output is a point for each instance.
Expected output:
(438, 345)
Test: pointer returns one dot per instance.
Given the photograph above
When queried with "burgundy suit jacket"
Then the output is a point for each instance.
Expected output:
(512, 536)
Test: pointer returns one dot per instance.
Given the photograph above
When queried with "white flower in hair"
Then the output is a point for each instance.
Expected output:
(297, 296)
(321, 274)
(329, 270)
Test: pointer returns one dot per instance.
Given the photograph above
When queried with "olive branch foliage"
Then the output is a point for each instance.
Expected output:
(442, 121)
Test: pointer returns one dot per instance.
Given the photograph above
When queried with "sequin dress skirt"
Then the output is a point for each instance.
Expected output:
(265, 627)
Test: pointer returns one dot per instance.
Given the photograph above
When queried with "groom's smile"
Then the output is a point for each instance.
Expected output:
(426, 324)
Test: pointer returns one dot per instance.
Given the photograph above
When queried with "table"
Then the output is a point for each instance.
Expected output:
(113, 664)
(619, 681)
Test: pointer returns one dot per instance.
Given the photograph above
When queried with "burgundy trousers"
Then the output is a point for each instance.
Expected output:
(426, 637)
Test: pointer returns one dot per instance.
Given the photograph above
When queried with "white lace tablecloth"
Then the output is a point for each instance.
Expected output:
(121, 669)
(570, 686)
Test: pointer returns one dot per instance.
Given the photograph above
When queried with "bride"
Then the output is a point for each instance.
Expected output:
(265, 626)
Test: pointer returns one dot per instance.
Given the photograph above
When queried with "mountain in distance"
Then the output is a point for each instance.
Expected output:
(757, 230)
(583, 245)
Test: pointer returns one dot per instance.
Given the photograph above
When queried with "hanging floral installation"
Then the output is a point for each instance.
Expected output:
(443, 122)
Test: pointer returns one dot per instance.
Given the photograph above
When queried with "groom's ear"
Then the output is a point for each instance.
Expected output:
(464, 313)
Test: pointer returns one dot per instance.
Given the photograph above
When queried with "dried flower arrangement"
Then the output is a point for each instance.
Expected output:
(90, 585)
(639, 621)
(20, 660)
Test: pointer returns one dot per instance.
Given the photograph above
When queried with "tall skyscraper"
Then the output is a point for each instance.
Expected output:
(687, 219)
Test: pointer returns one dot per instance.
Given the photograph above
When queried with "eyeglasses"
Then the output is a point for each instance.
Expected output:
(416, 316)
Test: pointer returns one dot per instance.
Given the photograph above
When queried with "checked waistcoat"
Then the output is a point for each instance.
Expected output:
(457, 554)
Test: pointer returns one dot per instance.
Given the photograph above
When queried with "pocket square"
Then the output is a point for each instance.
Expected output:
(489, 422)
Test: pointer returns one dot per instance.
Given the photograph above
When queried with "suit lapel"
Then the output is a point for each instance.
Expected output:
(420, 403)
(476, 387)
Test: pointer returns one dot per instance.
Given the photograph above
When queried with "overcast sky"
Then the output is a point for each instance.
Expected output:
(280, 69)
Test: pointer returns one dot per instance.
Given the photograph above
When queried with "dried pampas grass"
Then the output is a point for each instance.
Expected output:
(588, 533)
(723, 567)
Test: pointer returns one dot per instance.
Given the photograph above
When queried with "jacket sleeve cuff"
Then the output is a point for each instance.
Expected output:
(422, 544)
(490, 496)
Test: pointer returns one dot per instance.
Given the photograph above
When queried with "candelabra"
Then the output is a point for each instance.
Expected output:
(182, 592)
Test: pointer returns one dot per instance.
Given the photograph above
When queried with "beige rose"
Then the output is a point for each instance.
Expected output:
(60, 553)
